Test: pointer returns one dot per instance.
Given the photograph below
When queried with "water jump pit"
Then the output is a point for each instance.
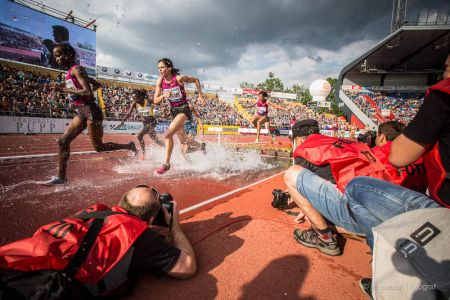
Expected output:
(104, 177)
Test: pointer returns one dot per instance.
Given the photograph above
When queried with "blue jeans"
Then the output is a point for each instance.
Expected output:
(373, 201)
(326, 198)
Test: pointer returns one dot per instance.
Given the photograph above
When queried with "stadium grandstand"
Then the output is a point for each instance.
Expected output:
(389, 81)
(23, 93)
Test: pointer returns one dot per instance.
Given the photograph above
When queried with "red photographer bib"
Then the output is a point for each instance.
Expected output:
(432, 159)
(53, 245)
(346, 158)
(413, 177)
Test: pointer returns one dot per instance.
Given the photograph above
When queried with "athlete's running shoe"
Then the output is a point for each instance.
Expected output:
(133, 148)
(54, 180)
(163, 169)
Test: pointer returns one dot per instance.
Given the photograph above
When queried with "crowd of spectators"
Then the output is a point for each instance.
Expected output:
(402, 106)
(218, 112)
(13, 38)
(24, 93)
(282, 112)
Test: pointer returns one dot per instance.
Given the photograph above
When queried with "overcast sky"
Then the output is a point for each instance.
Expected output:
(226, 42)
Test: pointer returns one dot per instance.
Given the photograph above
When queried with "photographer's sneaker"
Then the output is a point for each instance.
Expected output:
(310, 238)
(366, 286)
(133, 148)
(161, 170)
(54, 180)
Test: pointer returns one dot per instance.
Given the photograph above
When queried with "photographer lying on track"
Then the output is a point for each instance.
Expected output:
(323, 167)
(124, 245)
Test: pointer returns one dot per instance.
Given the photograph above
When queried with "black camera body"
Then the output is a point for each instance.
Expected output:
(368, 138)
(166, 201)
(280, 199)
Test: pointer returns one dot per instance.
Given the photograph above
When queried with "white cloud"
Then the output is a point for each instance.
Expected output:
(291, 65)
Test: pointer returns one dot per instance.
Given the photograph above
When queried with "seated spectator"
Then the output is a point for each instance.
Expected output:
(323, 166)
(412, 176)
(125, 245)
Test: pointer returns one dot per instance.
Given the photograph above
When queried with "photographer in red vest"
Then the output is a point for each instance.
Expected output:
(323, 167)
(124, 246)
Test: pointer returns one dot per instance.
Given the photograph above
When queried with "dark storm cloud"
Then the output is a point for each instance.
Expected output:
(214, 33)
(224, 28)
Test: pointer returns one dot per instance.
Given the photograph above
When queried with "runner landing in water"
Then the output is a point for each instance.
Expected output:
(170, 86)
(144, 107)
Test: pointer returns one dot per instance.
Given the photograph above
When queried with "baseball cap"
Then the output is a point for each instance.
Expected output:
(305, 128)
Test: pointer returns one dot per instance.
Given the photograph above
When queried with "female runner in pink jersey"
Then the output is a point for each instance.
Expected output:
(170, 86)
(261, 113)
(88, 113)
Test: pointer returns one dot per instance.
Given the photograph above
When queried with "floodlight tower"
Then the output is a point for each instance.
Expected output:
(398, 14)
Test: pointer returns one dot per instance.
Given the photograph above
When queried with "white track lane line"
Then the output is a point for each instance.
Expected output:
(188, 209)
(53, 154)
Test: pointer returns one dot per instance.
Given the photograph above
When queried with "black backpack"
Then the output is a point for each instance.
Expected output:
(54, 284)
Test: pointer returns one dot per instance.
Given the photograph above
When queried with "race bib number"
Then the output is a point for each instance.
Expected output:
(262, 110)
(175, 94)
(71, 85)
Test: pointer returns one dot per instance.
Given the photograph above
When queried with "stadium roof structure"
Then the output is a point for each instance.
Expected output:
(410, 49)
(409, 59)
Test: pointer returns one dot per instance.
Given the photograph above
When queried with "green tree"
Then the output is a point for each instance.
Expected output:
(302, 92)
(335, 110)
(247, 85)
(273, 84)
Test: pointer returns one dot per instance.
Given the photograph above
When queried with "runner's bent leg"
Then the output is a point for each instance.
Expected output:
(95, 130)
(176, 125)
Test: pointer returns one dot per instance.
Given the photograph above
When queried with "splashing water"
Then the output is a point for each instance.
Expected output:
(219, 163)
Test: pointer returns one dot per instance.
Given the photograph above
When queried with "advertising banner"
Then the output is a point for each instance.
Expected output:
(251, 92)
(12, 124)
(252, 131)
(29, 36)
(216, 129)
(283, 95)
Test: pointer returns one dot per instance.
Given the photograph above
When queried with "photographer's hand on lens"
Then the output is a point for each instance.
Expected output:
(175, 214)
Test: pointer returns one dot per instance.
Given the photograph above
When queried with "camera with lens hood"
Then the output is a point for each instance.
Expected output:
(166, 201)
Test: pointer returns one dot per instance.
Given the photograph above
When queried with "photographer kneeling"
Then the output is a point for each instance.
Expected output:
(323, 167)
(124, 245)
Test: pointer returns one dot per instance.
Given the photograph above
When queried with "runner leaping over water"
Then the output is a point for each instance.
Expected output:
(144, 107)
(170, 86)
(261, 113)
(88, 113)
